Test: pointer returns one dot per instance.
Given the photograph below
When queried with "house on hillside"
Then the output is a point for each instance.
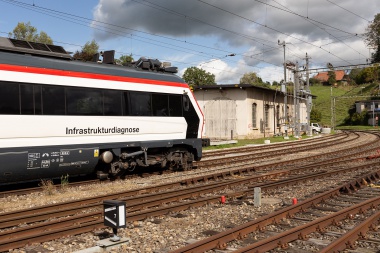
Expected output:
(245, 111)
(373, 109)
(340, 76)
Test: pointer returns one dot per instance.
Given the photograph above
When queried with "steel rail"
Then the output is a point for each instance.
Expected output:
(348, 240)
(265, 154)
(220, 152)
(301, 232)
(137, 201)
(246, 169)
(20, 237)
(220, 240)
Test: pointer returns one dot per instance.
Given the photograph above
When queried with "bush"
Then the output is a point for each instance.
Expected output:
(47, 186)
(64, 182)
(315, 115)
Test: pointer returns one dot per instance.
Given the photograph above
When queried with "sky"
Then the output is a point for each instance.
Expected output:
(226, 38)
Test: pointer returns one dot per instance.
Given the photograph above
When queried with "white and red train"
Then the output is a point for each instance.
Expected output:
(61, 116)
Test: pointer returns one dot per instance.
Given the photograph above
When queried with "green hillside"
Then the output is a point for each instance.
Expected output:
(345, 99)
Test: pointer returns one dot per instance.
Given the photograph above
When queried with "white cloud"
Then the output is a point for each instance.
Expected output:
(329, 34)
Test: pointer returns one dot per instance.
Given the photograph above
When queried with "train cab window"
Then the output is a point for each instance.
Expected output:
(175, 105)
(9, 98)
(140, 104)
(53, 100)
(81, 101)
(191, 118)
(27, 99)
(186, 103)
(112, 102)
(160, 104)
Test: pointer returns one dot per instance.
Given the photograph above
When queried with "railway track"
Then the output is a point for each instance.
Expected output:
(301, 231)
(137, 207)
(260, 148)
(150, 200)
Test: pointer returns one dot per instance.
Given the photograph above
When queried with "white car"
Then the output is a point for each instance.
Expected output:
(315, 128)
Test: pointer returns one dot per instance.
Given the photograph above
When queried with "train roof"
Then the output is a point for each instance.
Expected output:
(39, 55)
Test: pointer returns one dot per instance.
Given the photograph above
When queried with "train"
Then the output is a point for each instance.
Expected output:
(62, 116)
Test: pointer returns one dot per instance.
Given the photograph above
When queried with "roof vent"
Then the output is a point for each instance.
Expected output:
(155, 65)
(108, 57)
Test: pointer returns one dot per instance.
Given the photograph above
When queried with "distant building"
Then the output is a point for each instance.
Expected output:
(373, 109)
(340, 76)
(244, 111)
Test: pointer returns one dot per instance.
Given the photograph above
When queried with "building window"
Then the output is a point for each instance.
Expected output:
(287, 115)
(254, 111)
(266, 115)
(278, 114)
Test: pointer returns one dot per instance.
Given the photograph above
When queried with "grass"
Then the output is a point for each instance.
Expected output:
(64, 182)
(47, 186)
(345, 97)
(360, 128)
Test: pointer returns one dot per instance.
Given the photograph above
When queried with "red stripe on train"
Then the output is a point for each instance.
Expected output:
(55, 72)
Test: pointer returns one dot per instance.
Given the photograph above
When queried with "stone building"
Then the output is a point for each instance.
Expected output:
(245, 111)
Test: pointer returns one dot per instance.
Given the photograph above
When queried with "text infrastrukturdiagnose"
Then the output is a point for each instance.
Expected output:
(102, 130)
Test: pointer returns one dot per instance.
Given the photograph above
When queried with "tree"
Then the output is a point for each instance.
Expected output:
(372, 37)
(314, 81)
(315, 115)
(376, 55)
(367, 75)
(253, 79)
(125, 60)
(332, 78)
(373, 32)
(196, 76)
(88, 51)
(29, 33)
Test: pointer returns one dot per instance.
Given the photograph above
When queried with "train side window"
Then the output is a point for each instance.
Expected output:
(53, 100)
(81, 101)
(141, 104)
(26, 96)
(126, 104)
(175, 105)
(112, 103)
(37, 99)
(9, 98)
(160, 103)
(186, 103)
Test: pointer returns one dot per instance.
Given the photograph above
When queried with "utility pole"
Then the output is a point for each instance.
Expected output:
(283, 89)
(331, 67)
(332, 106)
(308, 97)
(296, 103)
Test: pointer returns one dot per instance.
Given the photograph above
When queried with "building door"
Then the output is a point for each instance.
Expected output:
(220, 116)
